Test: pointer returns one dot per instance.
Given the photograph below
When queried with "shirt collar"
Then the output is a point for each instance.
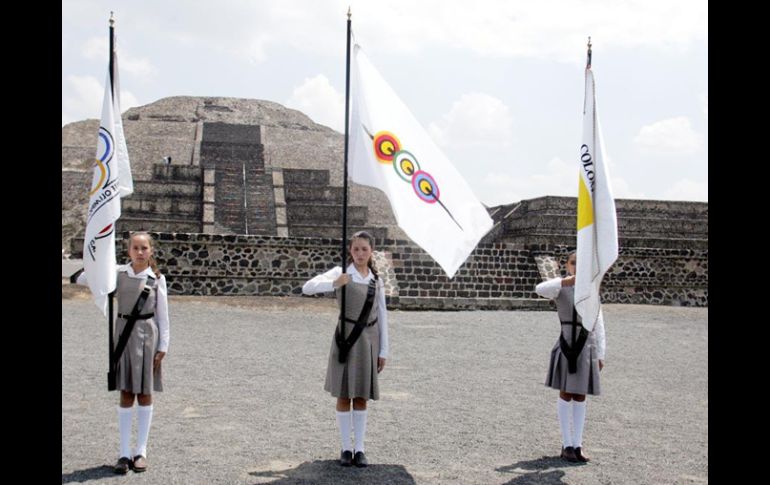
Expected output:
(128, 269)
(353, 271)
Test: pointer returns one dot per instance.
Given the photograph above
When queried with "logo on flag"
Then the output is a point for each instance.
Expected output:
(390, 150)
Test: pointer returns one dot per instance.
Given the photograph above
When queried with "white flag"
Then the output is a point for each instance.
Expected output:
(389, 150)
(597, 225)
(111, 181)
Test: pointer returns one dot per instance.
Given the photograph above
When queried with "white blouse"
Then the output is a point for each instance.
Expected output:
(161, 301)
(324, 283)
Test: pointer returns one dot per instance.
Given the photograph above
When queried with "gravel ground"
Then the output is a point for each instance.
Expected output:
(462, 398)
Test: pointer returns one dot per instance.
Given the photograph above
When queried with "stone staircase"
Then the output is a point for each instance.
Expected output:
(170, 201)
(243, 191)
(314, 207)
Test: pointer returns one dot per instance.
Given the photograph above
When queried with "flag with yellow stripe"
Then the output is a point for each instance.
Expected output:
(597, 225)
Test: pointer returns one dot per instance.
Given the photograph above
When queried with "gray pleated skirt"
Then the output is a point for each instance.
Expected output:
(357, 377)
(135, 373)
(585, 380)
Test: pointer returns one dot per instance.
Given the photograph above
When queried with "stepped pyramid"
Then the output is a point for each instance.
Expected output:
(238, 166)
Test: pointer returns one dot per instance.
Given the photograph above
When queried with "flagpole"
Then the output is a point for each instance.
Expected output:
(345, 176)
(110, 296)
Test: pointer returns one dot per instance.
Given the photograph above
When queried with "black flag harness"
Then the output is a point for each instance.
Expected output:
(571, 352)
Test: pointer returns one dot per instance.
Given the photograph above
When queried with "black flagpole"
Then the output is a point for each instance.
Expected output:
(345, 180)
(111, 378)
(112, 59)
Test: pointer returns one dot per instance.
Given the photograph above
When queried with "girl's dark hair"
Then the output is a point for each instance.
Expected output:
(370, 239)
(153, 263)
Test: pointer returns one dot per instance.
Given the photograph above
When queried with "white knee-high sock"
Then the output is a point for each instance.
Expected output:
(143, 421)
(579, 419)
(564, 410)
(125, 416)
(359, 428)
(344, 425)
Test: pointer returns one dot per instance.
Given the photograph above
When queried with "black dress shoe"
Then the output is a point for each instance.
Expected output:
(140, 464)
(346, 458)
(122, 466)
(568, 454)
(360, 459)
(581, 456)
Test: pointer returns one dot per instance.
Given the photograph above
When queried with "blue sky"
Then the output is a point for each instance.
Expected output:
(497, 83)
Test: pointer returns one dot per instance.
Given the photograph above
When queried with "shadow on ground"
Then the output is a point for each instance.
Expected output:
(330, 472)
(93, 473)
(544, 472)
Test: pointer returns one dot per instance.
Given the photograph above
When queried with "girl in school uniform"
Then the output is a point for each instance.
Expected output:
(355, 359)
(138, 372)
(576, 360)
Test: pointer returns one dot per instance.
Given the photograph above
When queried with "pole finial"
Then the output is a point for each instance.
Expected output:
(588, 62)
(350, 14)
(112, 18)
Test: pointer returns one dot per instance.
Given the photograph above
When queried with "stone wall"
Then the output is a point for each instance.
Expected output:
(658, 276)
(495, 276)
(263, 265)
(74, 202)
(641, 223)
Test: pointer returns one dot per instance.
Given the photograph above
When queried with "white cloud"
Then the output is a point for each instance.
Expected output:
(558, 178)
(674, 136)
(84, 99)
(127, 100)
(95, 48)
(550, 29)
(704, 102)
(622, 190)
(317, 98)
(256, 48)
(142, 69)
(240, 29)
(476, 118)
(687, 189)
